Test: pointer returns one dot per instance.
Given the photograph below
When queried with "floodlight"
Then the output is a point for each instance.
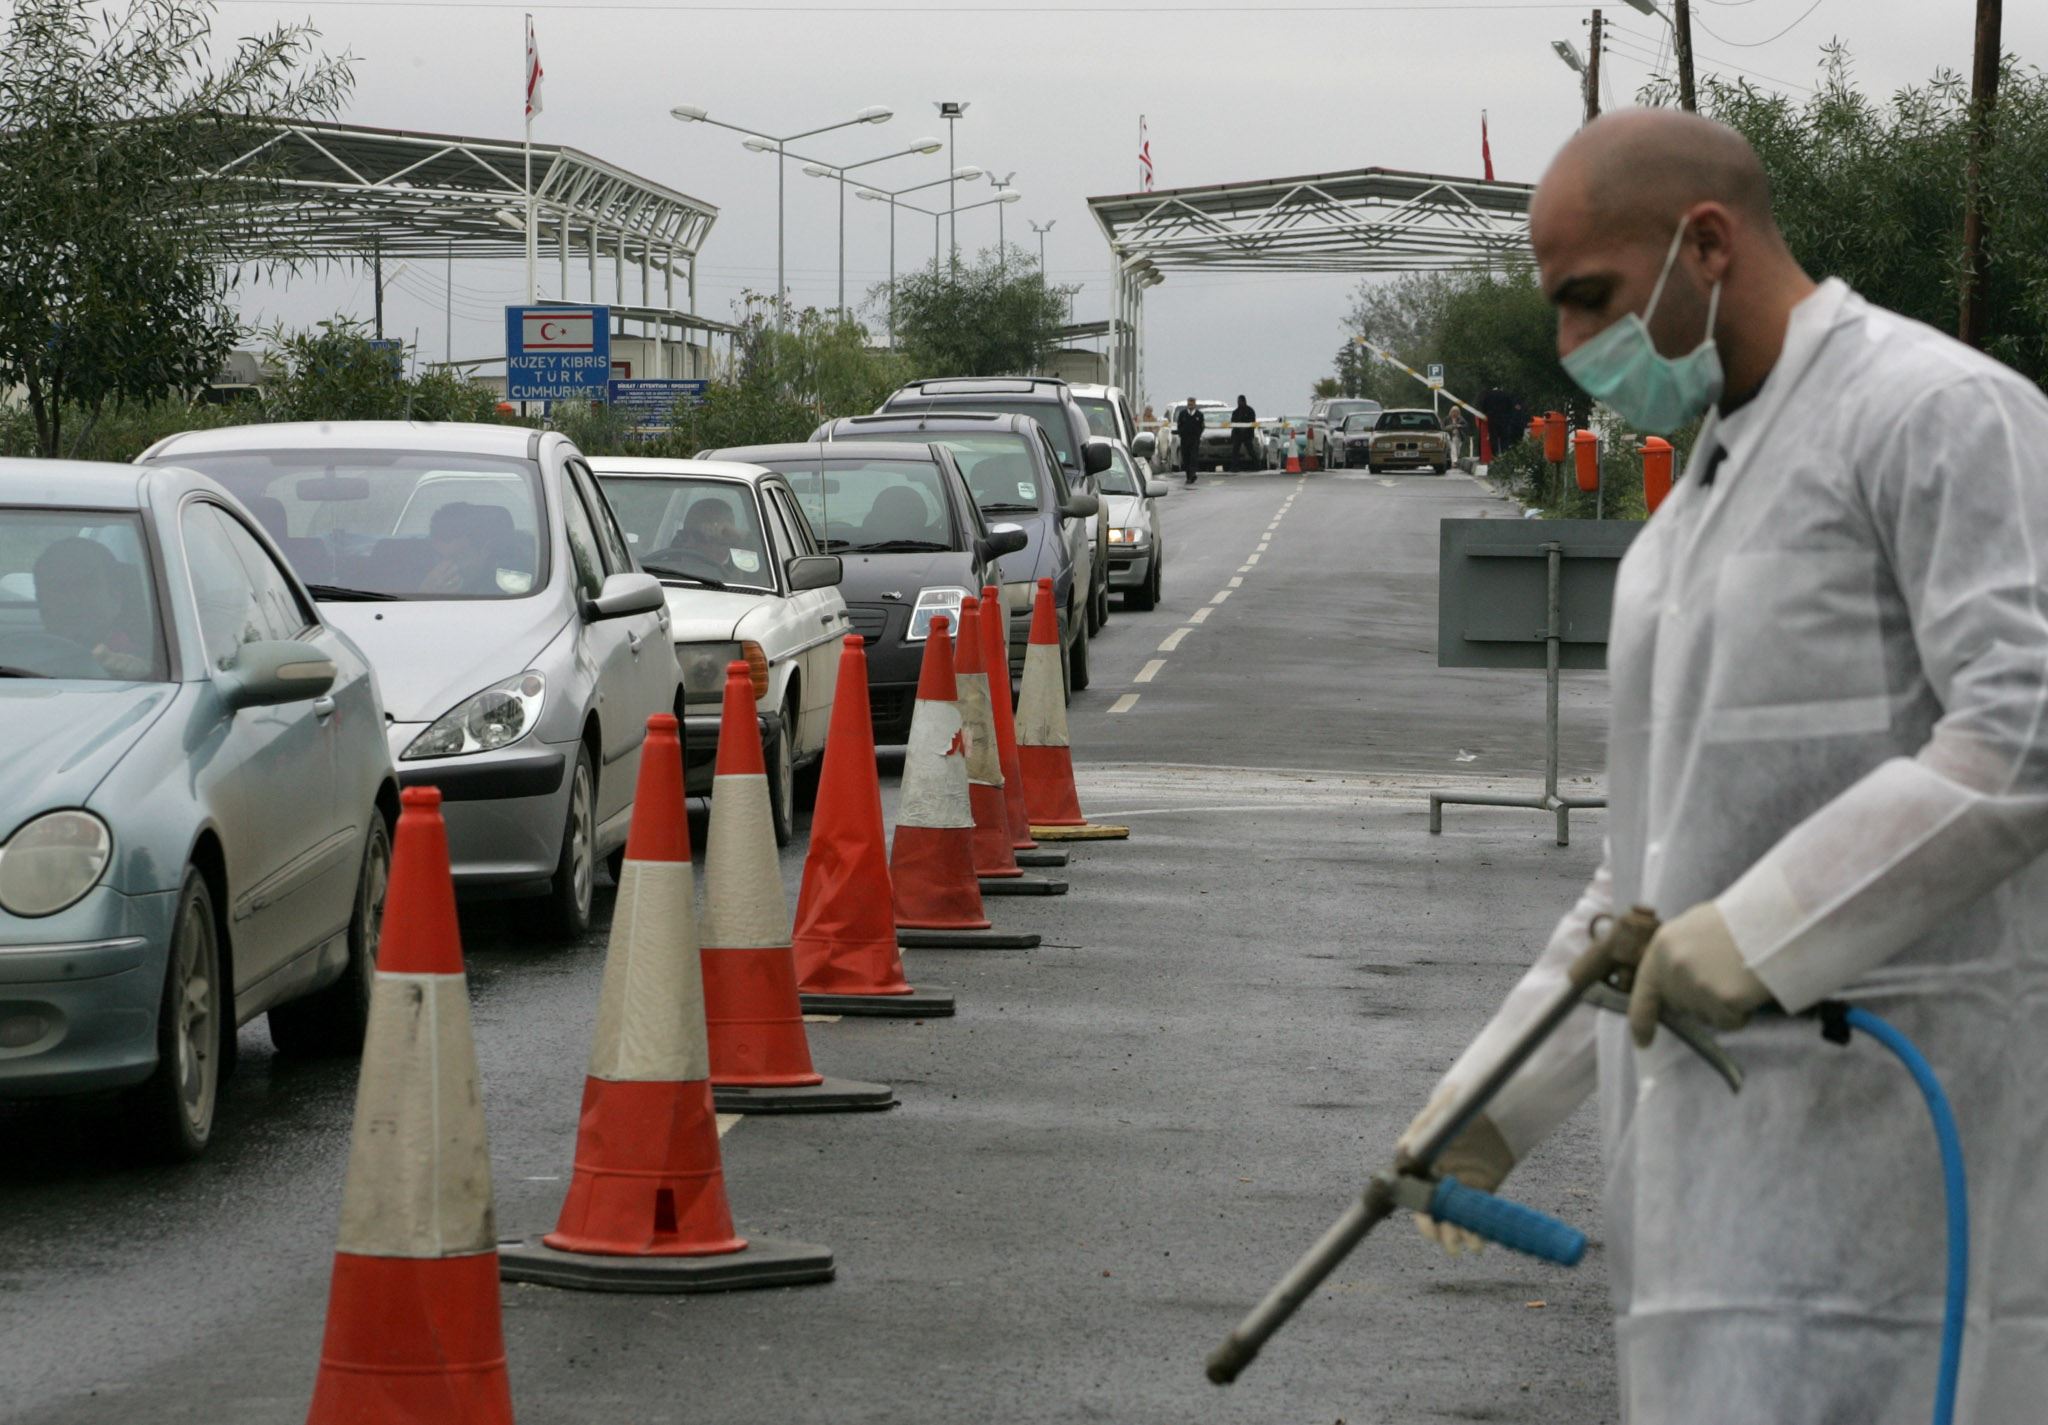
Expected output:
(758, 145)
(970, 171)
(875, 114)
(926, 145)
(688, 113)
(1569, 55)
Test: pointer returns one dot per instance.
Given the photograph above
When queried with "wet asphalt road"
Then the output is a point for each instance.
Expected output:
(1097, 1165)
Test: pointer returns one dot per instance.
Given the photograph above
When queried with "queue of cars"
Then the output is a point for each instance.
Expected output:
(221, 664)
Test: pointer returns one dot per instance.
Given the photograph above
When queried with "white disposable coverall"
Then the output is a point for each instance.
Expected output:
(1830, 717)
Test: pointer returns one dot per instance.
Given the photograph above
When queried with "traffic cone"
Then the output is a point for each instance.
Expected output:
(760, 1056)
(931, 861)
(1049, 796)
(846, 956)
(413, 1330)
(1293, 462)
(995, 634)
(646, 1207)
(995, 860)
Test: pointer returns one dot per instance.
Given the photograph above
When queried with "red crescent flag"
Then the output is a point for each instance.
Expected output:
(1144, 157)
(1485, 148)
(532, 71)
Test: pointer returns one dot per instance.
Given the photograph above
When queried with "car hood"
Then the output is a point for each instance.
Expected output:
(429, 654)
(65, 735)
(700, 615)
(869, 576)
(1125, 510)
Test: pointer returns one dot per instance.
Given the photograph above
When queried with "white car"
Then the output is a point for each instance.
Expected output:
(1137, 546)
(746, 582)
(1109, 415)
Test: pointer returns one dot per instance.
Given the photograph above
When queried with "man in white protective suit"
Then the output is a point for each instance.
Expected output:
(1828, 772)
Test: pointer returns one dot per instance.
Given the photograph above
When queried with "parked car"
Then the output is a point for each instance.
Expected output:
(1049, 401)
(1215, 454)
(1014, 477)
(745, 582)
(1407, 440)
(1326, 414)
(1137, 548)
(196, 803)
(914, 544)
(519, 648)
(1109, 416)
(1289, 437)
(1351, 442)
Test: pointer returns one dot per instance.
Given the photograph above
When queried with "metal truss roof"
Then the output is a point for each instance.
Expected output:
(348, 188)
(1366, 220)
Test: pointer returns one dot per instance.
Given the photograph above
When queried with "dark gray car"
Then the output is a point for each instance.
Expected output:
(910, 539)
(1014, 477)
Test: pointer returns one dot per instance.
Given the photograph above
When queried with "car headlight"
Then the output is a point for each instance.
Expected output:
(930, 604)
(703, 666)
(1126, 536)
(497, 717)
(52, 861)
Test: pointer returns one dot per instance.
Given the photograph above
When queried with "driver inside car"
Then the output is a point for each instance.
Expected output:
(78, 597)
(464, 561)
(709, 533)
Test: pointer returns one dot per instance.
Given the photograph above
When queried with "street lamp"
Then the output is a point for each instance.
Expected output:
(883, 195)
(952, 110)
(1570, 55)
(1002, 241)
(1041, 243)
(816, 169)
(1008, 195)
(1681, 43)
(770, 143)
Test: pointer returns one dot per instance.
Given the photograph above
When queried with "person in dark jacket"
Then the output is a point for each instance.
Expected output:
(1187, 427)
(1244, 436)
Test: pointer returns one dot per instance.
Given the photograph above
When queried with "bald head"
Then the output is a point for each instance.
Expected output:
(1641, 170)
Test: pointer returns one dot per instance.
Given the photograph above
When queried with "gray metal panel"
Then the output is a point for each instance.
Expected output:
(1493, 590)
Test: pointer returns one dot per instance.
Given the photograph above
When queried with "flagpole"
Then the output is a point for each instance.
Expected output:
(531, 234)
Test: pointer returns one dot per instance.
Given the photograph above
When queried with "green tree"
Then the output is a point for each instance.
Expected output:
(336, 372)
(995, 316)
(113, 222)
(1488, 328)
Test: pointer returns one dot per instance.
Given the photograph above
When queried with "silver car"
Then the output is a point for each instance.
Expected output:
(195, 801)
(1137, 545)
(519, 648)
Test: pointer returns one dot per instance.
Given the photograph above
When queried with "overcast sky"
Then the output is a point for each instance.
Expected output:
(1230, 93)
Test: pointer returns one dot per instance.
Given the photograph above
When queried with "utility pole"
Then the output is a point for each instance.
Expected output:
(1593, 73)
(1681, 45)
(377, 284)
(951, 110)
(1970, 319)
(1041, 243)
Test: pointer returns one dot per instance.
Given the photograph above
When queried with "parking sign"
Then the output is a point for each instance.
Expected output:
(1436, 376)
(557, 353)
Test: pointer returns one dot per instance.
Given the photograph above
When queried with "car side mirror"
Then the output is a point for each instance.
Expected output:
(1157, 489)
(622, 595)
(274, 671)
(1080, 507)
(1143, 444)
(1095, 456)
(1004, 539)
(815, 571)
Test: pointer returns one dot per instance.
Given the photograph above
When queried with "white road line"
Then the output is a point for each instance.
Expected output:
(1244, 568)
(1173, 639)
(1251, 559)
(1235, 582)
(822, 1018)
(1150, 671)
(727, 1121)
(1220, 597)
(1124, 703)
(1200, 615)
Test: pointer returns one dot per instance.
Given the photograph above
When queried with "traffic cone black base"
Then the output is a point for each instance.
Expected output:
(1041, 859)
(926, 1003)
(832, 1096)
(1022, 886)
(967, 940)
(763, 1262)
(1088, 831)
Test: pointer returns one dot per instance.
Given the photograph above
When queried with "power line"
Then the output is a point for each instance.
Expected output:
(1757, 44)
(664, 7)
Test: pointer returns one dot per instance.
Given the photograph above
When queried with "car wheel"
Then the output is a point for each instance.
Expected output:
(779, 751)
(176, 1102)
(576, 868)
(1146, 595)
(1077, 661)
(332, 1020)
(616, 864)
(1440, 469)
(1102, 599)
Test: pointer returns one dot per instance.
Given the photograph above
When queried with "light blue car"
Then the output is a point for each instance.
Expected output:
(196, 796)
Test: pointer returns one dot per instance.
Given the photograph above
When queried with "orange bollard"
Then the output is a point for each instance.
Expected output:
(1657, 458)
(1586, 459)
(1555, 431)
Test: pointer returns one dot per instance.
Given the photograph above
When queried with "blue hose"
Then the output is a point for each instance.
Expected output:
(1953, 1189)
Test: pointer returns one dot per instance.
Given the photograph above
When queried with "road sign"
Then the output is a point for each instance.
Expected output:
(557, 353)
(1436, 376)
(649, 402)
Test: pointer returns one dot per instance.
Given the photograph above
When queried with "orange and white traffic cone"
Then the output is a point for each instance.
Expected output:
(846, 956)
(988, 792)
(931, 861)
(1293, 462)
(995, 634)
(646, 1208)
(760, 1055)
(413, 1329)
(1042, 743)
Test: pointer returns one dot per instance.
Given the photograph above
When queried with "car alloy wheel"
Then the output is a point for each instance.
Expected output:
(781, 756)
(178, 1099)
(332, 1020)
(576, 870)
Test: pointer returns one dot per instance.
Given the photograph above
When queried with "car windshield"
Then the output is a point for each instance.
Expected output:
(1101, 415)
(76, 597)
(875, 505)
(1339, 410)
(1406, 420)
(1120, 478)
(997, 464)
(1359, 422)
(706, 530)
(394, 524)
(1046, 413)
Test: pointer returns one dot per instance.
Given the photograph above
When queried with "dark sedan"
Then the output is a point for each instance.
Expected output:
(911, 541)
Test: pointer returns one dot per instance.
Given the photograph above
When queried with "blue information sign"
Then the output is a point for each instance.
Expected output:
(557, 353)
(649, 402)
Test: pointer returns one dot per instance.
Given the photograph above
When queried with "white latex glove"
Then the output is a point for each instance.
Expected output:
(1478, 1157)
(1694, 967)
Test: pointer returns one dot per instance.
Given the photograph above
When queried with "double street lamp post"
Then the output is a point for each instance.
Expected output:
(882, 195)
